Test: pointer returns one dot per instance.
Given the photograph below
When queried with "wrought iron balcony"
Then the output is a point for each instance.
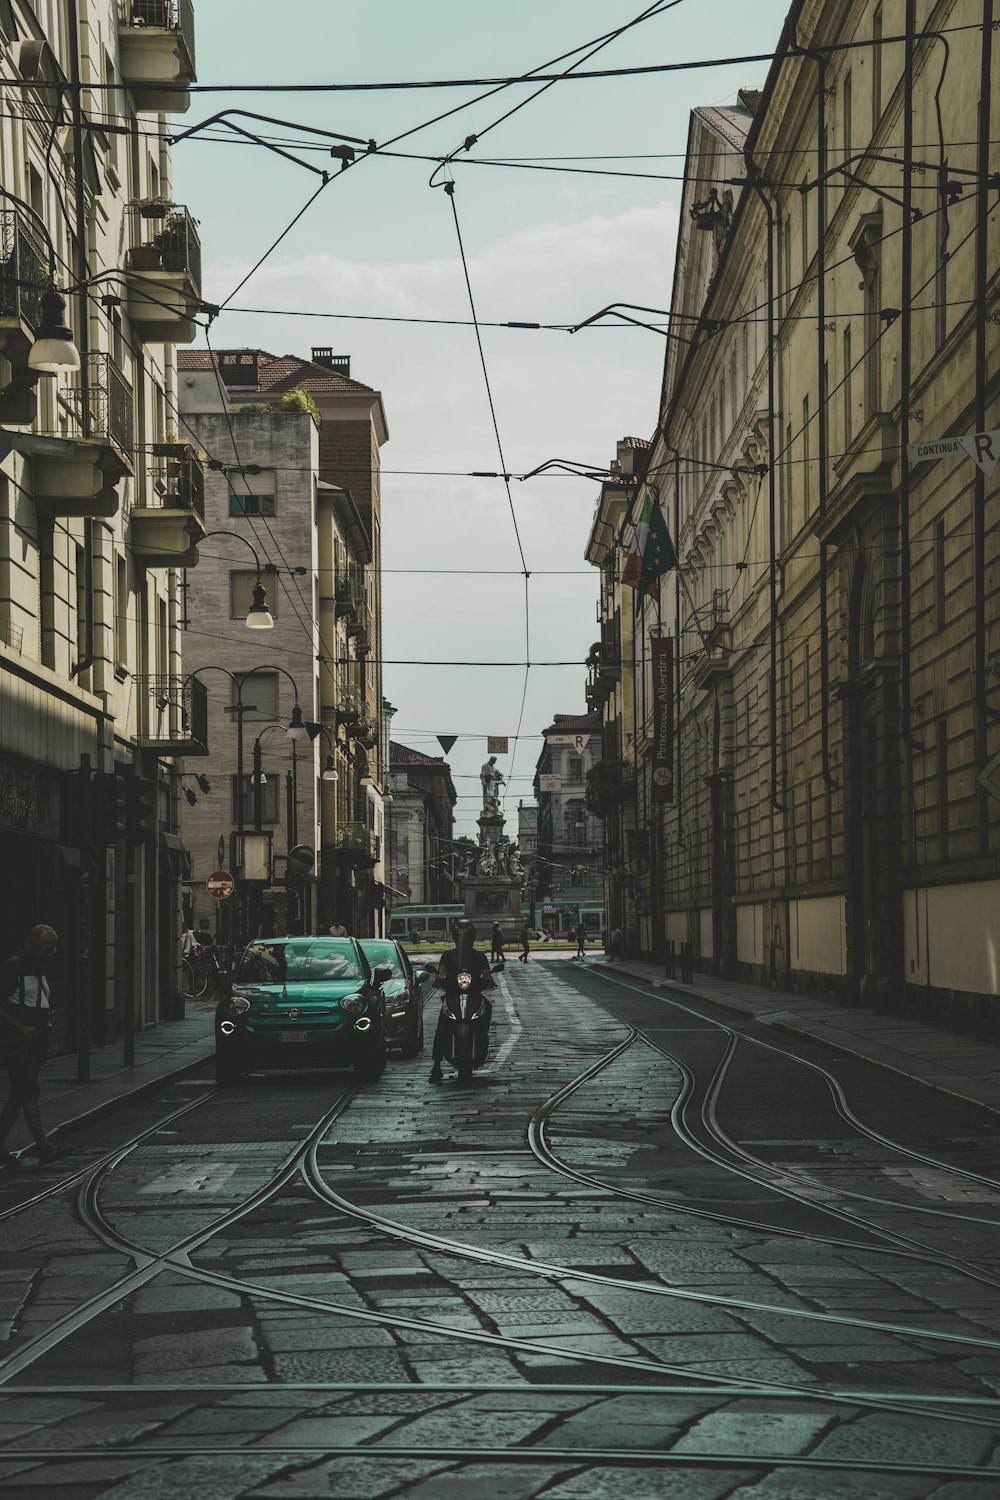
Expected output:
(348, 590)
(177, 478)
(169, 520)
(156, 51)
(96, 404)
(348, 704)
(163, 271)
(357, 843)
(365, 731)
(24, 272)
(173, 714)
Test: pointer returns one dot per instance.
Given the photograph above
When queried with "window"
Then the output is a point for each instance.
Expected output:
(121, 614)
(268, 800)
(848, 396)
(161, 647)
(260, 689)
(941, 298)
(82, 603)
(847, 106)
(241, 587)
(575, 768)
(876, 67)
(806, 460)
(243, 504)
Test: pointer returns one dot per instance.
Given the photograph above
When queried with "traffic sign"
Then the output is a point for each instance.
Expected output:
(220, 884)
(497, 744)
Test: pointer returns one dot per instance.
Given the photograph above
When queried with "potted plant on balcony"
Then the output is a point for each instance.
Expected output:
(173, 242)
(154, 208)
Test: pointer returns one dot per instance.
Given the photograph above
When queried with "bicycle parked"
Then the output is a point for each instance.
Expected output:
(200, 967)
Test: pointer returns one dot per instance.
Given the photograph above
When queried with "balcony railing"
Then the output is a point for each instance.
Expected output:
(177, 478)
(172, 714)
(358, 842)
(23, 270)
(163, 237)
(365, 731)
(98, 404)
(161, 15)
(348, 589)
(348, 704)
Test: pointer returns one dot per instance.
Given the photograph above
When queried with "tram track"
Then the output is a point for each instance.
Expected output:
(721, 1145)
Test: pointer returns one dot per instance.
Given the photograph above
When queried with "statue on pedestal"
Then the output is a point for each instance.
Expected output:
(492, 780)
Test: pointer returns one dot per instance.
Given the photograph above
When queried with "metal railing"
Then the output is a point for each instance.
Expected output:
(348, 704)
(161, 15)
(365, 731)
(177, 478)
(348, 588)
(24, 272)
(163, 237)
(100, 406)
(171, 707)
(358, 839)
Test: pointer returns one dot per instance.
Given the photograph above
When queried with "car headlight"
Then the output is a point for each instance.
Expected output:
(353, 1003)
(237, 1005)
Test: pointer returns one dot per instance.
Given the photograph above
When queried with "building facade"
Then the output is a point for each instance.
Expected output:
(835, 609)
(282, 429)
(421, 828)
(569, 859)
(100, 509)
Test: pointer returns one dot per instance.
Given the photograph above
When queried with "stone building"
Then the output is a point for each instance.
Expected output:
(569, 860)
(835, 610)
(101, 507)
(421, 828)
(280, 430)
(611, 693)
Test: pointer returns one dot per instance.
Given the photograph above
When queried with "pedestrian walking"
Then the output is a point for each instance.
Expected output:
(525, 937)
(581, 940)
(617, 946)
(337, 929)
(496, 944)
(25, 1018)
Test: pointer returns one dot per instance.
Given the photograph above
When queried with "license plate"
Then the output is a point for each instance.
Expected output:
(294, 1036)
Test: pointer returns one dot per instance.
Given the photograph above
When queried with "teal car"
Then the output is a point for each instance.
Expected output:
(302, 1003)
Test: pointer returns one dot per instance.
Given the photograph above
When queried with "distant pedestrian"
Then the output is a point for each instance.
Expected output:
(337, 929)
(25, 1018)
(581, 940)
(525, 938)
(617, 946)
(496, 944)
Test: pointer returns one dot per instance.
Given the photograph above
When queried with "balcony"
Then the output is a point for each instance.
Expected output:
(23, 276)
(365, 732)
(604, 669)
(156, 52)
(170, 522)
(356, 843)
(348, 704)
(163, 272)
(348, 590)
(173, 715)
(76, 469)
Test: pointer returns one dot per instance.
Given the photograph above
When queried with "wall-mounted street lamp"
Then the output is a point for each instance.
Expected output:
(259, 617)
(53, 352)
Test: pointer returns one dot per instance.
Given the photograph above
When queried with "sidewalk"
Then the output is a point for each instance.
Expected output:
(950, 1061)
(162, 1054)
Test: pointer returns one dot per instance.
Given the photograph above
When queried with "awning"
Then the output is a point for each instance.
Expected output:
(392, 890)
(175, 855)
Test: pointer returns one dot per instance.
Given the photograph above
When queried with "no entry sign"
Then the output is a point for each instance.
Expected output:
(220, 884)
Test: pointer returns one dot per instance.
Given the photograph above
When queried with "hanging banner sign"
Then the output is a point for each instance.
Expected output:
(662, 772)
(497, 744)
(982, 447)
(547, 782)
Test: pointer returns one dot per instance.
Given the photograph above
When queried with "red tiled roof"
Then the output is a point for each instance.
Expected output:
(634, 442)
(573, 723)
(402, 755)
(278, 373)
(750, 99)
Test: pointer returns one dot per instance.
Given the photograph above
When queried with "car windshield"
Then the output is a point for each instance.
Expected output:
(298, 962)
(383, 955)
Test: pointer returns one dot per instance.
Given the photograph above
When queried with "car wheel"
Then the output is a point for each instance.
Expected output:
(372, 1064)
(414, 1045)
(227, 1071)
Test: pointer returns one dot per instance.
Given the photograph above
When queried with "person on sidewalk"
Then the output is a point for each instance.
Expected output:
(24, 1039)
(496, 944)
(581, 941)
(617, 946)
(525, 937)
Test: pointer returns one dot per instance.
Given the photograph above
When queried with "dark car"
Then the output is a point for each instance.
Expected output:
(404, 1005)
(302, 1002)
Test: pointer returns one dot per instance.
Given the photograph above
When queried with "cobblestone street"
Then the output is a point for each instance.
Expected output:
(649, 1252)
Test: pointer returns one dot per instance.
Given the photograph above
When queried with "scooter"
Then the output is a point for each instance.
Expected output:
(466, 1011)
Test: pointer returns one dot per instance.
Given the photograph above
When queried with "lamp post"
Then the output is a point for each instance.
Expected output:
(53, 351)
(259, 617)
(296, 731)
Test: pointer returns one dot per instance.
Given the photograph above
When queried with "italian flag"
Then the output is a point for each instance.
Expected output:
(652, 552)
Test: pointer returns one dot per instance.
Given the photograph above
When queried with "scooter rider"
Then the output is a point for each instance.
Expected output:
(464, 957)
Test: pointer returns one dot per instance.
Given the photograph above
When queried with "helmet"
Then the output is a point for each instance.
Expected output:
(465, 938)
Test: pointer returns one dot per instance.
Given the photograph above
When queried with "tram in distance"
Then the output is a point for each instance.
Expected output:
(432, 924)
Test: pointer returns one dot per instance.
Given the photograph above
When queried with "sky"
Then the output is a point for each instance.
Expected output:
(549, 246)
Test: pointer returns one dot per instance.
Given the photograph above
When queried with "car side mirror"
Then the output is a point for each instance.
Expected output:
(380, 975)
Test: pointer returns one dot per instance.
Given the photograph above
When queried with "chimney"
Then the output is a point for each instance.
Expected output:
(330, 361)
(239, 369)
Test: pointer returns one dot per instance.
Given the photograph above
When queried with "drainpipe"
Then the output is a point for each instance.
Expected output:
(87, 659)
(678, 767)
(80, 211)
(906, 378)
(984, 714)
(753, 178)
